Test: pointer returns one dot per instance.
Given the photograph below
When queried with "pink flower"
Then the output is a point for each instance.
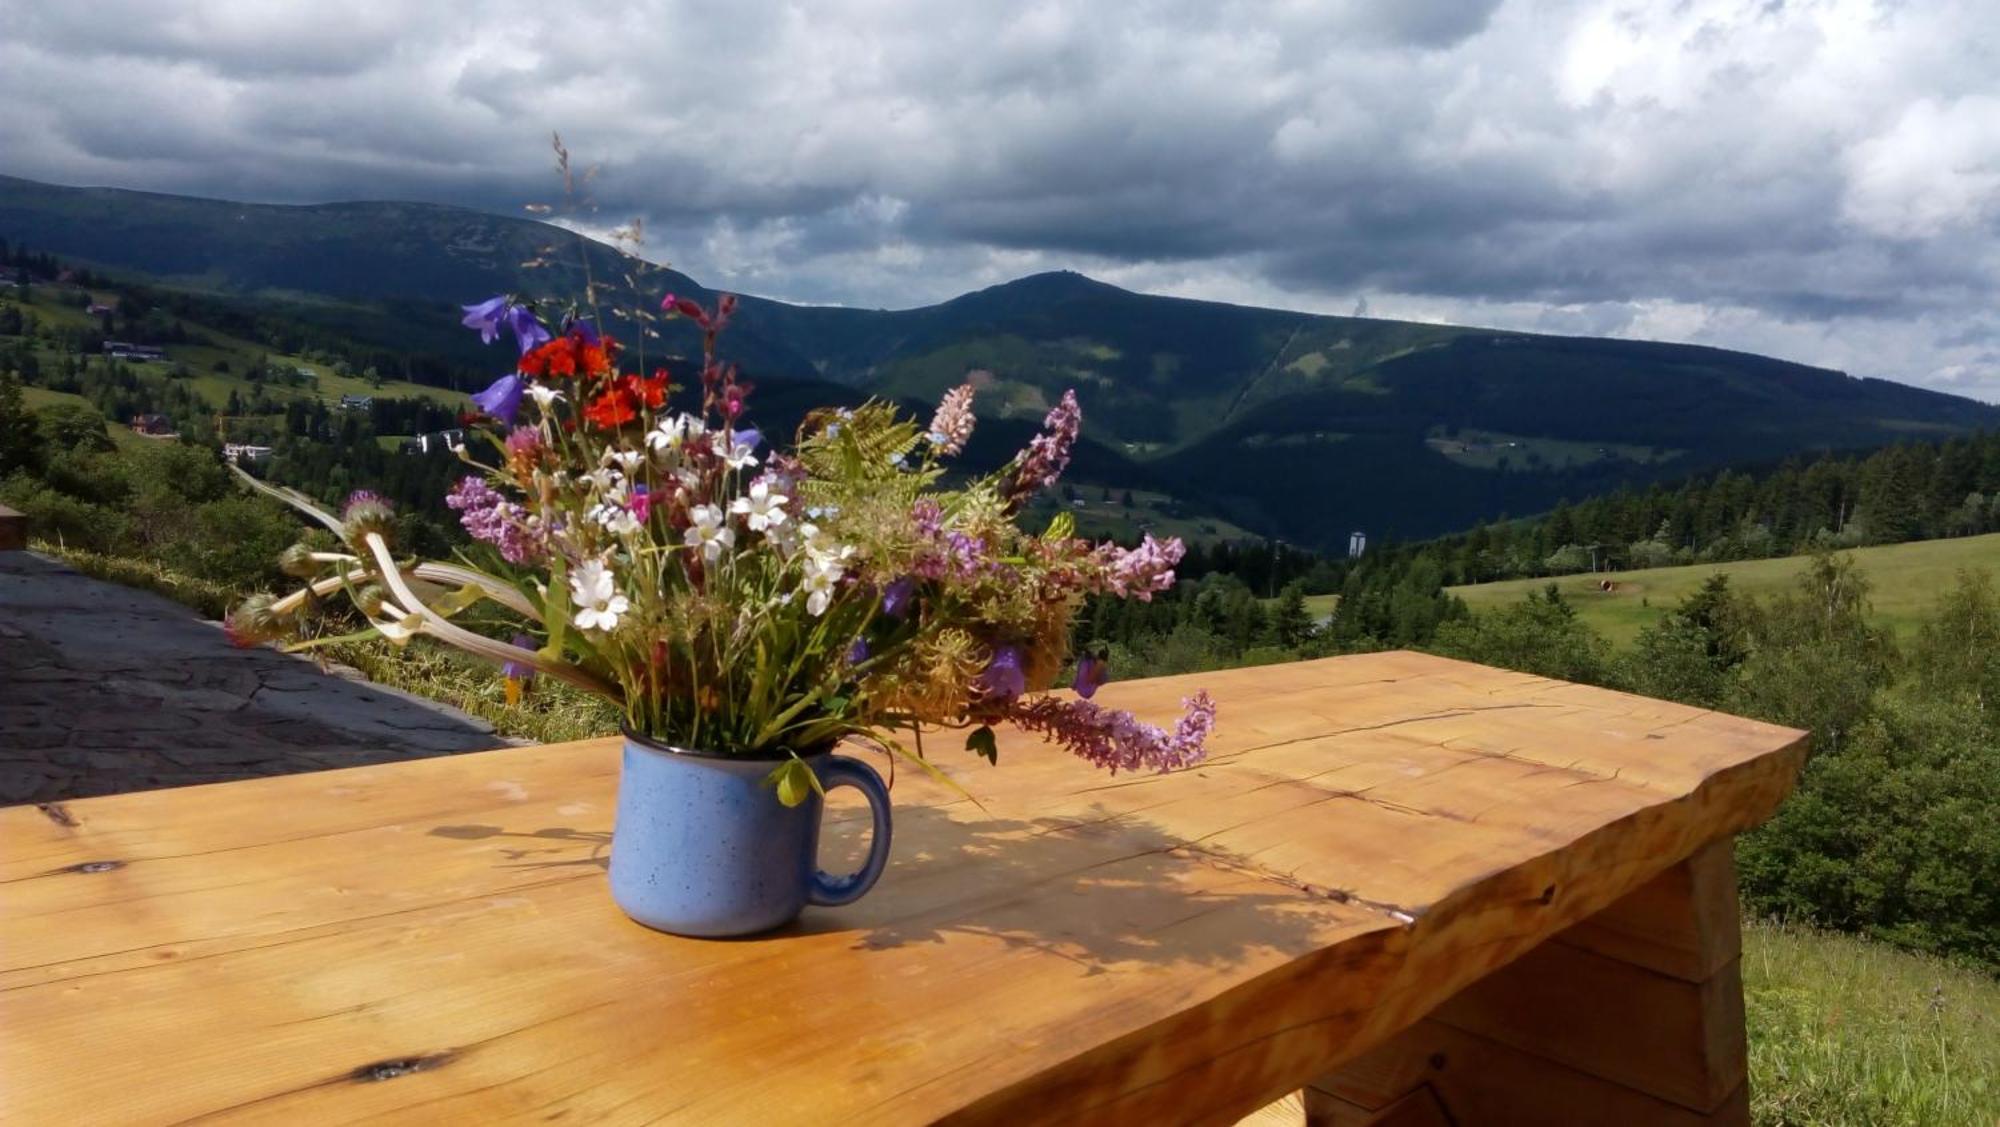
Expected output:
(490, 517)
(1142, 571)
(951, 427)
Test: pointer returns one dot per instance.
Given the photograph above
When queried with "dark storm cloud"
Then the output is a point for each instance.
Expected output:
(1819, 179)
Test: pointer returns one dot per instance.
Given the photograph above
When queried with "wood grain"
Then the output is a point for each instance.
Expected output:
(434, 939)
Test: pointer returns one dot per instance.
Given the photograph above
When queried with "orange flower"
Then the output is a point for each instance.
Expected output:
(650, 391)
(552, 360)
(612, 409)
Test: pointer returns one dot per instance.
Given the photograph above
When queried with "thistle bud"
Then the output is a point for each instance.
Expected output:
(252, 622)
(297, 562)
(369, 599)
(366, 512)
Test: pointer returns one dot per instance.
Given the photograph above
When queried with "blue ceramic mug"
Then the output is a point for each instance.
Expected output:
(703, 847)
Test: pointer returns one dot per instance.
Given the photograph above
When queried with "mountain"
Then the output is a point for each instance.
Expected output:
(1291, 424)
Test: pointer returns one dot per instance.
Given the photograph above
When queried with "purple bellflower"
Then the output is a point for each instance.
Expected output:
(502, 400)
(495, 313)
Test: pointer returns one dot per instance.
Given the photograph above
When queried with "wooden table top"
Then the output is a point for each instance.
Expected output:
(434, 939)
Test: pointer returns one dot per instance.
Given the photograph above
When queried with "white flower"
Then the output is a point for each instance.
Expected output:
(818, 586)
(737, 455)
(595, 591)
(544, 396)
(709, 533)
(615, 518)
(606, 478)
(762, 509)
(669, 435)
(629, 460)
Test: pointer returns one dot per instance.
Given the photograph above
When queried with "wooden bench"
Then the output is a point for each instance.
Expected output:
(13, 530)
(1425, 891)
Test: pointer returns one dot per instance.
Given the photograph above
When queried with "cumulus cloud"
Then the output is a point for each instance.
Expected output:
(1819, 179)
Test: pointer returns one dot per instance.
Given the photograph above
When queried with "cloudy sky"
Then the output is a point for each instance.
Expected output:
(1816, 180)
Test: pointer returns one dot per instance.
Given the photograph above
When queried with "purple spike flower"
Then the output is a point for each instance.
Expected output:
(502, 400)
(520, 670)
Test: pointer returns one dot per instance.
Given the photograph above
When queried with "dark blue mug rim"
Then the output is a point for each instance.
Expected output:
(778, 756)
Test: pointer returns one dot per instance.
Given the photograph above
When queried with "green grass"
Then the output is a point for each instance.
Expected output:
(1847, 1031)
(1907, 579)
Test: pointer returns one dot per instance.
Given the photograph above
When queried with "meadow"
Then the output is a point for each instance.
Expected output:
(1907, 579)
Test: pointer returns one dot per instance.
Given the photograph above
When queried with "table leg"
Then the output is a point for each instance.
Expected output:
(1633, 1017)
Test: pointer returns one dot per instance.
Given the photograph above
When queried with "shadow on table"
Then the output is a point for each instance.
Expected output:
(1100, 888)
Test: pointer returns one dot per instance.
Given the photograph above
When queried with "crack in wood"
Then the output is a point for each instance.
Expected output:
(58, 813)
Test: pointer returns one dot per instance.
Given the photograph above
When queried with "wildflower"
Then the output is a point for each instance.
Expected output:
(686, 307)
(650, 391)
(545, 397)
(896, 597)
(709, 533)
(858, 652)
(1145, 570)
(821, 575)
(1117, 740)
(502, 399)
(519, 674)
(951, 427)
(671, 435)
(366, 511)
(1090, 673)
(1047, 455)
(491, 518)
(1004, 678)
(525, 451)
(615, 518)
(491, 315)
(252, 622)
(612, 409)
(628, 460)
(641, 503)
(734, 454)
(762, 508)
(595, 592)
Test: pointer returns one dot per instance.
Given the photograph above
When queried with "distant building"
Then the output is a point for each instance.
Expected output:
(98, 309)
(428, 443)
(240, 452)
(125, 350)
(153, 426)
(356, 402)
(1357, 543)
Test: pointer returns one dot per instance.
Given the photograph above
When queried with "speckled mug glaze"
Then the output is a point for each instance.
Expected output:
(703, 847)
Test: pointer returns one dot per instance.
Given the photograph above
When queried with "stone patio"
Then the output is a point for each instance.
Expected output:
(106, 689)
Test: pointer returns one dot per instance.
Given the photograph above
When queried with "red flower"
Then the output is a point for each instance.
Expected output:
(651, 392)
(612, 409)
(568, 355)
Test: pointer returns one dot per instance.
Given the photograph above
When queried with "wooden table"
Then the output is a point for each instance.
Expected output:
(1415, 884)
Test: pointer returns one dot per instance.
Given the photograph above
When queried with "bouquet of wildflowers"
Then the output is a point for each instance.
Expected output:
(738, 599)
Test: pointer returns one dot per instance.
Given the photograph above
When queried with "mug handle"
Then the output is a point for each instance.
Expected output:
(832, 891)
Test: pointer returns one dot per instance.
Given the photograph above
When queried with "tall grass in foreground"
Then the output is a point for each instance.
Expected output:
(1844, 1031)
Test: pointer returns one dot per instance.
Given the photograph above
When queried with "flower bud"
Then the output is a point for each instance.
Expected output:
(297, 562)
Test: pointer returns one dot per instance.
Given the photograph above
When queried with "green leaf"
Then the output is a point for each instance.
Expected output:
(981, 743)
(795, 782)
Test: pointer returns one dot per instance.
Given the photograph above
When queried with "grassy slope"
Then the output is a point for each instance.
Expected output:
(1847, 1031)
(1907, 578)
(240, 354)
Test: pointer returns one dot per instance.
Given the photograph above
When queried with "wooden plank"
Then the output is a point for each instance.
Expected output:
(434, 938)
(1680, 1041)
(13, 530)
(1479, 1081)
(1420, 1108)
(1683, 923)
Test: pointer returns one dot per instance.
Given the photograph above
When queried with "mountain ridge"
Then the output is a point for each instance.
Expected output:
(1301, 425)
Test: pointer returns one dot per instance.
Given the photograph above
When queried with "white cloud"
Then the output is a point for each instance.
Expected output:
(1818, 178)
